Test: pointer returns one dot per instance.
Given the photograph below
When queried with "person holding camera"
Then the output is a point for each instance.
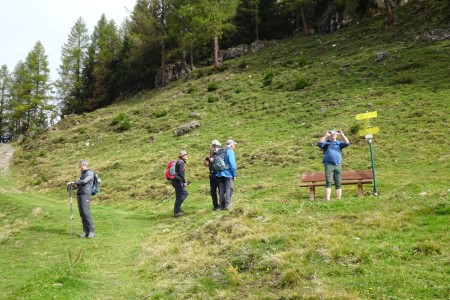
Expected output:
(213, 180)
(180, 183)
(84, 193)
(332, 159)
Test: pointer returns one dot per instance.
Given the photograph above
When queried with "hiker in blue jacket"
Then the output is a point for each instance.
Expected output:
(332, 159)
(227, 176)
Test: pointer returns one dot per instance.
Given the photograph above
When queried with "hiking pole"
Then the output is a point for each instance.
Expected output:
(69, 189)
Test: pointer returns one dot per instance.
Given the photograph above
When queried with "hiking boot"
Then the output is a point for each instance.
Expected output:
(217, 208)
(90, 235)
(178, 214)
(83, 235)
(227, 207)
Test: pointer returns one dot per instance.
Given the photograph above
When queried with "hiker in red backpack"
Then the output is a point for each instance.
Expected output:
(179, 183)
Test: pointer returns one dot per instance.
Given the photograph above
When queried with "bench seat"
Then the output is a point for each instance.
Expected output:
(357, 177)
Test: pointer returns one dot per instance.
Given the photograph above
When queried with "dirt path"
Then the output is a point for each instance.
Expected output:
(6, 153)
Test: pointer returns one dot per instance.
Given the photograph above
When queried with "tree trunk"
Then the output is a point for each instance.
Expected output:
(305, 25)
(184, 64)
(389, 14)
(163, 64)
(191, 56)
(216, 52)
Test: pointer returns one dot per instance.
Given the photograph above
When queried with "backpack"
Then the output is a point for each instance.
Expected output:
(170, 170)
(96, 184)
(218, 163)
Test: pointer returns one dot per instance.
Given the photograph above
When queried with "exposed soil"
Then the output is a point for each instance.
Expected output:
(6, 153)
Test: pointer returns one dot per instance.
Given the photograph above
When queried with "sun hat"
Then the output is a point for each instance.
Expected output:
(182, 153)
(230, 142)
(215, 143)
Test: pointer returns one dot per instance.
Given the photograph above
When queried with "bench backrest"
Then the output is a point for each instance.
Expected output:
(346, 175)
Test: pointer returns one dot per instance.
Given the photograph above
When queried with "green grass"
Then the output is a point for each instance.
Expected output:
(275, 243)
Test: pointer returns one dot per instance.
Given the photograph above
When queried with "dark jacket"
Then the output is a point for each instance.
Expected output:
(85, 182)
(180, 169)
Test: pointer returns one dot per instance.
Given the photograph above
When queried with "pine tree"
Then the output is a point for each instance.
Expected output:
(5, 82)
(74, 57)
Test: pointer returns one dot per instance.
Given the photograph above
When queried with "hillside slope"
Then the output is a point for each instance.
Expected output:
(276, 103)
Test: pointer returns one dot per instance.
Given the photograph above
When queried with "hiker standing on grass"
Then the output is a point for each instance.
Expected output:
(179, 183)
(84, 193)
(213, 180)
(332, 159)
(227, 176)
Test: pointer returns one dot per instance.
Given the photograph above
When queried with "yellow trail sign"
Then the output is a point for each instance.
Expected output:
(371, 130)
(368, 115)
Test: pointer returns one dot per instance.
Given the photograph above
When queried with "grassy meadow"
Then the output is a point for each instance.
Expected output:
(275, 243)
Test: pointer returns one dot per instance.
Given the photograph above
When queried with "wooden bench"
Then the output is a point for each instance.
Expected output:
(360, 177)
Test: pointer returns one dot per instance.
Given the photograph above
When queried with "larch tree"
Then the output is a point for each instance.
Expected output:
(102, 63)
(74, 58)
(40, 87)
(5, 85)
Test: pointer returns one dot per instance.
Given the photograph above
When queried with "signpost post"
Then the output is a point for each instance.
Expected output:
(368, 133)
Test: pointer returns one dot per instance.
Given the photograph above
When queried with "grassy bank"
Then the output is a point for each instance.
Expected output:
(275, 243)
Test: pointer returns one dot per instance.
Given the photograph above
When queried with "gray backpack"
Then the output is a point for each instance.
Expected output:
(218, 163)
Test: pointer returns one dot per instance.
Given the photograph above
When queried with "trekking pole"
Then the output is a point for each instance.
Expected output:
(69, 189)
(165, 198)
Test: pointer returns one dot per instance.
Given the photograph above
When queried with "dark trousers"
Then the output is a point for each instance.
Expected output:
(84, 207)
(214, 187)
(181, 194)
(225, 191)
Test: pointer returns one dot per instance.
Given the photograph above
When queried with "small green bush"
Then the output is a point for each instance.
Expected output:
(243, 64)
(212, 99)
(212, 86)
(301, 83)
(160, 113)
(302, 61)
(403, 78)
(191, 89)
(268, 77)
(121, 122)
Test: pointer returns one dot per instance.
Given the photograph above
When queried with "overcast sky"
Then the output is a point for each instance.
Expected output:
(24, 22)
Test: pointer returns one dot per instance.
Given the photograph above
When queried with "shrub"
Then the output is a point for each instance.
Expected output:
(212, 99)
(301, 83)
(121, 122)
(403, 78)
(302, 61)
(355, 128)
(212, 86)
(243, 64)
(268, 77)
(160, 113)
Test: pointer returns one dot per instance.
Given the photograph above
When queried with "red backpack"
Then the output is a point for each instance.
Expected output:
(170, 170)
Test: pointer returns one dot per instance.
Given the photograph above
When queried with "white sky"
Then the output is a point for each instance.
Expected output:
(24, 22)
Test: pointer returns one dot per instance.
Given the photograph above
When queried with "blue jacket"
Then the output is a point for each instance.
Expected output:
(332, 154)
(230, 160)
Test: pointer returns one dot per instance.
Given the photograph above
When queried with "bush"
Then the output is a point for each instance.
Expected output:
(212, 86)
(268, 77)
(301, 83)
(160, 113)
(243, 64)
(403, 78)
(212, 99)
(121, 122)
(302, 61)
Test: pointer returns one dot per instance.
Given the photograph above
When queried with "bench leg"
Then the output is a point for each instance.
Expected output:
(360, 190)
(312, 192)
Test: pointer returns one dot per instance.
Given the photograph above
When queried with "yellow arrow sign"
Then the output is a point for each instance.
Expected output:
(369, 115)
(367, 131)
